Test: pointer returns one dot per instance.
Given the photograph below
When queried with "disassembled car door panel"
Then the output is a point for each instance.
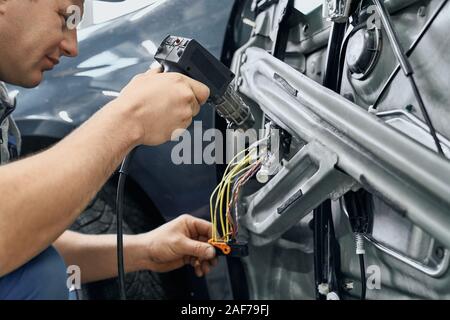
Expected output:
(376, 155)
(365, 134)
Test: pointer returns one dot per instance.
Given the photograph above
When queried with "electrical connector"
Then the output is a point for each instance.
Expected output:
(269, 155)
(232, 249)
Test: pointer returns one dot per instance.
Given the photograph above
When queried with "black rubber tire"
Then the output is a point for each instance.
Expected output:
(99, 218)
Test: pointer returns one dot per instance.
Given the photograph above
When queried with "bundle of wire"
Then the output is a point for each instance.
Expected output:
(236, 175)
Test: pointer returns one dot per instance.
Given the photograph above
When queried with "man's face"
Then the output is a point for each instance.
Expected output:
(34, 36)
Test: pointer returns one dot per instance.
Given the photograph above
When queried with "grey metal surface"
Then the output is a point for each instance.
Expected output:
(413, 127)
(283, 269)
(429, 60)
(413, 264)
(398, 279)
(397, 236)
(400, 239)
(433, 271)
(379, 158)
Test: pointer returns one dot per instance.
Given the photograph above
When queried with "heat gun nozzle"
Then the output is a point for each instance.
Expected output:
(233, 108)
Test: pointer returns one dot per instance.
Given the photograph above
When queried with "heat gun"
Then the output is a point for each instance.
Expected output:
(188, 57)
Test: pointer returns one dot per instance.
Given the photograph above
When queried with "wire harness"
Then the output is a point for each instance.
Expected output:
(224, 201)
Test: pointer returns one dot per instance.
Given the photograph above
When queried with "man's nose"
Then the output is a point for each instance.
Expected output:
(69, 45)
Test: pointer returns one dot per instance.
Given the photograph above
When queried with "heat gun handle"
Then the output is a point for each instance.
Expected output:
(171, 68)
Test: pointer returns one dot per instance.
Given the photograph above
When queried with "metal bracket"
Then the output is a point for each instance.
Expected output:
(301, 185)
(432, 270)
(337, 10)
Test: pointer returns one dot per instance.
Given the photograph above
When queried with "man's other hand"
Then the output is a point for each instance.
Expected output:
(177, 243)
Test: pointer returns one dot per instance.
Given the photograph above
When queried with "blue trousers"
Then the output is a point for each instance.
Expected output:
(42, 278)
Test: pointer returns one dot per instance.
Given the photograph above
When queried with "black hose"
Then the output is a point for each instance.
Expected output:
(123, 172)
(363, 276)
(358, 210)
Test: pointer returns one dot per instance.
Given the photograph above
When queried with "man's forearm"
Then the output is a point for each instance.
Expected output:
(48, 191)
(96, 255)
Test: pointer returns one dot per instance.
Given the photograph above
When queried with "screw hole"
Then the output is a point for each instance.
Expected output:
(439, 252)
(306, 28)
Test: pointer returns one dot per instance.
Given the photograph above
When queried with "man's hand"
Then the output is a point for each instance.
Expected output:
(177, 243)
(161, 103)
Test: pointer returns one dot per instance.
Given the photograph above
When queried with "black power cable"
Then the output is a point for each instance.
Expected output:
(123, 173)
(407, 69)
(362, 267)
(360, 213)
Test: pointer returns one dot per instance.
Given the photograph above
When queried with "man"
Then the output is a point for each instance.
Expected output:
(34, 36)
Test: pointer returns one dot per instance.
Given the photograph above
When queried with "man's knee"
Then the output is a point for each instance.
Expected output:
(43, 278)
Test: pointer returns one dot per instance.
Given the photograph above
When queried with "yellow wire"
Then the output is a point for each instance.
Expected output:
(229, 180)
(226, 210)
(222, 187)
(225, 184)
(213, 212)
(213, 218)
(226, 180)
